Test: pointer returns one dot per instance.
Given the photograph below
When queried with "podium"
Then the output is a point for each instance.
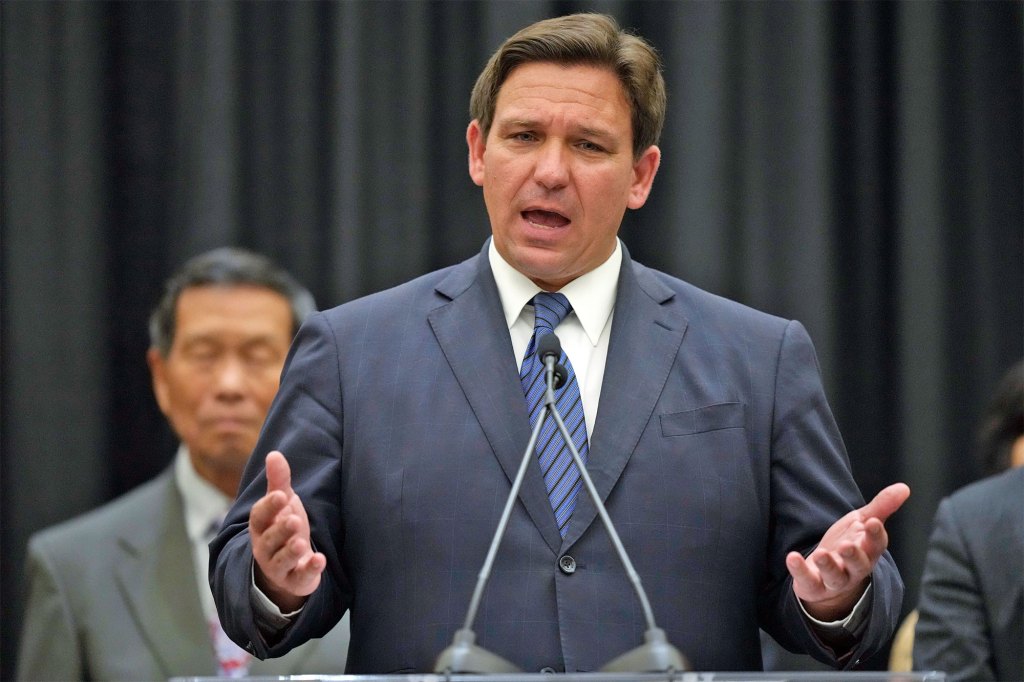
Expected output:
(803, 676)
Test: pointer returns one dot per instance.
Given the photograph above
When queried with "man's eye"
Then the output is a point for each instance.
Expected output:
(260, 356)
(201, 354)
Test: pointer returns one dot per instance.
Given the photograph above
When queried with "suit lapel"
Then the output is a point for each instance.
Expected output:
(472, 333)
(156, 573)
(645, 339)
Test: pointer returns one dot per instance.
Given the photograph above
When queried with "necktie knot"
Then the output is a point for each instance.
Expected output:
(550, 310)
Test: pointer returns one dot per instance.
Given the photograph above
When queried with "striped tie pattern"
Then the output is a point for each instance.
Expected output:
(561, 475)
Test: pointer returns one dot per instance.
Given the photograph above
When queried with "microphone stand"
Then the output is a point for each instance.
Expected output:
(464, 655)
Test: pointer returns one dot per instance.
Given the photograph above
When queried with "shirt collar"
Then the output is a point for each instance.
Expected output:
(591, 295)
(205, 504)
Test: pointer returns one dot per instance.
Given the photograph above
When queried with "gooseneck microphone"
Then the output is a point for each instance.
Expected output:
(656, 654)
(549, 350)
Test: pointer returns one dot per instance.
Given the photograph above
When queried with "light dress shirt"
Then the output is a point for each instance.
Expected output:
(584, 332)
(205, 506)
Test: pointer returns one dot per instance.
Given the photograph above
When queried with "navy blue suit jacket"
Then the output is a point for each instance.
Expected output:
(403, 419)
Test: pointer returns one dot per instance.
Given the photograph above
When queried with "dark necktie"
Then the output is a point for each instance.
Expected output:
(561, 475)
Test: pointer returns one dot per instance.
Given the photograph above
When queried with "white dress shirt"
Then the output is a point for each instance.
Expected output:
(205, 506)
(584, 332)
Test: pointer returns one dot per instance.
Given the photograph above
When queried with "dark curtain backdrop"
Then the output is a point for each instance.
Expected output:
(854, 165)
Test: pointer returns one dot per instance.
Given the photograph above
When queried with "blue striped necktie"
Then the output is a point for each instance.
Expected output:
(561, 475)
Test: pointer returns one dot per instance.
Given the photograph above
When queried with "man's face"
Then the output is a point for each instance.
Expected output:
(216, 384)
(557, 169)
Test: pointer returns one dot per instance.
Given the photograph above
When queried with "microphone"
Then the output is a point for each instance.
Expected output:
(656, 654)
(549, 350)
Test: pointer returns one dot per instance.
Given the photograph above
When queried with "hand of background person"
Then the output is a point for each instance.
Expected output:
(287, 568)
(831, 579)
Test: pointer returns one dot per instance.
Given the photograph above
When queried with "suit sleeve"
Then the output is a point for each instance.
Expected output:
(812, 486)
(305, 424)
(952, 630)
(49, 648)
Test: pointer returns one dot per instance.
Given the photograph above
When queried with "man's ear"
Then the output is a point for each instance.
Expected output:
(477, 144)
(158, 374)
(644, 171)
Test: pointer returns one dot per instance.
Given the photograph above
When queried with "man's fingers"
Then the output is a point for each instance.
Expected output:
(312, 565)
(886, 502)
(306, 574)
(801, 572)
(877, 539)
(297, 566)
(265, 510)
(857, 562)
(279, 475)
(278, 534)
(278, 551)
(831, 571)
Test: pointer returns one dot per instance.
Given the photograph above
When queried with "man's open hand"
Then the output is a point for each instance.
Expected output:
(834, 576)
(287, 568)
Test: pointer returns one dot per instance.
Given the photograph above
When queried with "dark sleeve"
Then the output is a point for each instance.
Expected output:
(952, 631)
(812, 486)
(305, 424)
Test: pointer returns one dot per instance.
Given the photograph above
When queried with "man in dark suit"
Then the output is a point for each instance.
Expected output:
(703, 423)
(120, 593)
(971, 611)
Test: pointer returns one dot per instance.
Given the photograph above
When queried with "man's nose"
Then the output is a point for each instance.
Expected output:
(552, 170)
(231, 378)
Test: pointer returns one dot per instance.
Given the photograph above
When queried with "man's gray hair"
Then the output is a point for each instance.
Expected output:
(226, 266)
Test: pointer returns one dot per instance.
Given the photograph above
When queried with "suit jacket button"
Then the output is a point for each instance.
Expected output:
(548, 670)
(567, 564)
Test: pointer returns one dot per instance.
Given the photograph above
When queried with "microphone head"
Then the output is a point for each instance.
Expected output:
(559, 376)
(548, 345)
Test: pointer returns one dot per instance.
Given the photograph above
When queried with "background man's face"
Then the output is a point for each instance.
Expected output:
(216, 384)
(557, 169)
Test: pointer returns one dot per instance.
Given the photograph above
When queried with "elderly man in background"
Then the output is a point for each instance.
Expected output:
(120, 593)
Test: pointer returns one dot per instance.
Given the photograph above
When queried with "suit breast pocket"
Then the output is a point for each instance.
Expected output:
(703, 419)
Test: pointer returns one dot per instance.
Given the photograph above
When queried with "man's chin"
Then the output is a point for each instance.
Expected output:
(231, 452)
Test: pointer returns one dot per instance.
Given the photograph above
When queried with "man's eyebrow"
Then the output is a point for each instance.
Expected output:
(595, 132)
(533, 123)
(517, 123)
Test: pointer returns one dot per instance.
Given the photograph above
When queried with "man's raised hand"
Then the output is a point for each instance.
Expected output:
(833, 577)
(287, 568)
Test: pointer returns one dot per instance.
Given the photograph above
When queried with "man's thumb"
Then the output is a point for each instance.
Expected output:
(279, 475)
(886, 502)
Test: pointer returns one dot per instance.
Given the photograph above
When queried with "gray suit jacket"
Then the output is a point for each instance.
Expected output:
(971, 612)
(404, 422)
(113, 596)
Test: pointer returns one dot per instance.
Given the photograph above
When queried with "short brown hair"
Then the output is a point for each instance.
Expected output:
(593, 39)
